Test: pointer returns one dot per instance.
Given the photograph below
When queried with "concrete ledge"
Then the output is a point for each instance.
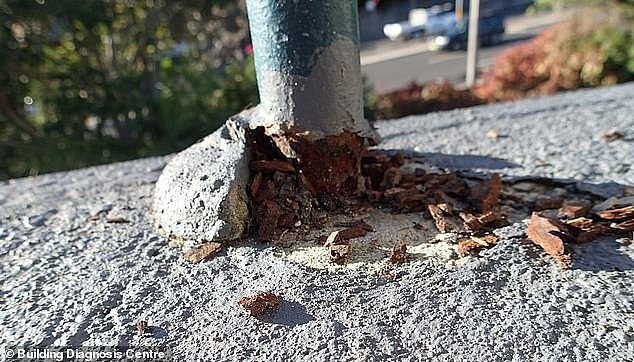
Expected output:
(67, 280)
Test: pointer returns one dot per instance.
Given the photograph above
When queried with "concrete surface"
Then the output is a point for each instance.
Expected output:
(65, 280)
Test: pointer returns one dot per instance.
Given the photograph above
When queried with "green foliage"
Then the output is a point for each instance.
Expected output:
(547, 5)
(370, 100)
(88, 82)
(617, 46)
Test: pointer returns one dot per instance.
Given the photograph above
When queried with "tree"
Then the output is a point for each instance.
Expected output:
(96, 81)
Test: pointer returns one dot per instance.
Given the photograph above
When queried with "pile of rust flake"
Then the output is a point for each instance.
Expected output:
(473, 207)
(283, 199)
(580, 222)
(456, 203)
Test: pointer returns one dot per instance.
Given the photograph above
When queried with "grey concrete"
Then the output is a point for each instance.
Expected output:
(66, 280)
(202, 192)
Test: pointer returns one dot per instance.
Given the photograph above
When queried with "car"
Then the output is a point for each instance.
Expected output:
(422, 22)
(490, 32)
(403, 30)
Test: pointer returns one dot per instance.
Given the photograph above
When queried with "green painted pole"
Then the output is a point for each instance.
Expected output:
(308, 69)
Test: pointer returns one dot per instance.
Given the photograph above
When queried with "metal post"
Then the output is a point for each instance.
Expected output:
(459, 9)
(309, 79)
(308, 68)
(472, 46)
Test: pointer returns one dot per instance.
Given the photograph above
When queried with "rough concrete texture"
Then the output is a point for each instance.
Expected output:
(67, 280)
(201, 194)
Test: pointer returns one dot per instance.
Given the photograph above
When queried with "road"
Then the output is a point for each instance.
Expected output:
(392, 65)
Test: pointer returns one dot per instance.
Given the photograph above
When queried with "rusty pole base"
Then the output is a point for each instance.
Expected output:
(206, 192)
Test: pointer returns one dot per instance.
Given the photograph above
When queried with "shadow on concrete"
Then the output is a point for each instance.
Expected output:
(457, 162)
(603, 254)
(291, 314)
(158, 332)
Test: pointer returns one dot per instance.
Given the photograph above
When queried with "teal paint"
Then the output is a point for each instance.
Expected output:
(308, 69)
(287, 35)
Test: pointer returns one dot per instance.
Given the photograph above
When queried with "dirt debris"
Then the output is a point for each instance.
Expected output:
(627, 225)
(494, 134)
(443, 218)
(353, 230)
(391, 177)
(351, 233)
(490, 217)
(485, 195)
(307, 184)
(613, 203)
(332, 164)
(267, 215)
(475, 224)
(470, 222)
(334, 238)
(548, 203)
(260, 303)
(337, 242)
(281, 197)
(585, 229)
(270, 166)
(202, 252)
(574, 209)
(254, 186)
(339, 252)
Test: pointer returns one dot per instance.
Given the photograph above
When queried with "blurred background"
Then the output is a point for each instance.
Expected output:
(91, 82)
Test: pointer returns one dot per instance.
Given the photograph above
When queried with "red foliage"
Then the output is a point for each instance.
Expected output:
(520, 71)
(425, 98)
(566, 56)
(563, 57)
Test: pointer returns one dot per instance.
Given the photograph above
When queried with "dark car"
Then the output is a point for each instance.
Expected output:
(490, 32)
